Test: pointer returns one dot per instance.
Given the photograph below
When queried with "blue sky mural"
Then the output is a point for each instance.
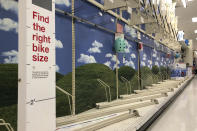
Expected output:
(8, 31)
(93, 45)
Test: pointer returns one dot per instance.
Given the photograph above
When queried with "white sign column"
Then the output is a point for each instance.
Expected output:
(36, 86)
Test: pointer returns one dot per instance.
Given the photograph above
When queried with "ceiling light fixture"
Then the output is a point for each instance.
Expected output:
(195, 31)
(184, 3)
(194, 19)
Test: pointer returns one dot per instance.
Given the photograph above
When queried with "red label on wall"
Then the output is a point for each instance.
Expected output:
(119, 28)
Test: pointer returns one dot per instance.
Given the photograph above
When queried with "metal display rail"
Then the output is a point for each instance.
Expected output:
(151, 120)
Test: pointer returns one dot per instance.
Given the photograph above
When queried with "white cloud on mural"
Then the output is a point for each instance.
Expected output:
(100, 13)
(58, 44)
(7, 24)
(108, 63)
(130, 63)
(154, 55)
(94, 50)
(61, 2)
(127, 28)
(150, 62)
(133, 56)
(86, 59)
(57, 68)
(97, 44)
(11, 60)
(9, 5)
(108, 55)
(10, 53)
(95, 47)
(144, 57)
(130, 30)
(114, 67)
(156, 43)
(112, 20)
(143, 63)
(114, 59)
(149, 66)
(128, 46)
(133, 32)
(156, 63)
(12, 57)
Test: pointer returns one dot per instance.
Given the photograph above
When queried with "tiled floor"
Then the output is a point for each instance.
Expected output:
(182, 114)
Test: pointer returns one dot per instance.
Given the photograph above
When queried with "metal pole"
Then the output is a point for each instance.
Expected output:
(117, 76)
(139, 81)
(139, 63)
(117, 90)
(73, 58)
(152, 64)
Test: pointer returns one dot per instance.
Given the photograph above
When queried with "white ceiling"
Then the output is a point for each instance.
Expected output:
(185, 23)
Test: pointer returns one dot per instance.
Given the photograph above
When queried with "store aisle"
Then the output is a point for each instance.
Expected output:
(182, 114)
